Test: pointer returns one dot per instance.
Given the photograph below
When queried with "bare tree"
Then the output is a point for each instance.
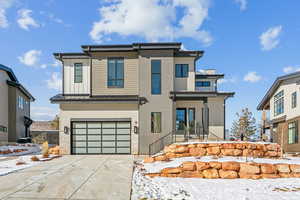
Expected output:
(244, 126)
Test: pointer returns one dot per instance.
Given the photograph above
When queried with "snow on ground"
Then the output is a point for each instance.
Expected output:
(9, 165)
(212, 189)
(31, 148)
(159, 165)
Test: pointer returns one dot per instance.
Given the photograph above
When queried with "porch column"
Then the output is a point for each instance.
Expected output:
(205, 117)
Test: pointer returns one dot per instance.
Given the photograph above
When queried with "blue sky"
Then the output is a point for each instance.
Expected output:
(252, 42)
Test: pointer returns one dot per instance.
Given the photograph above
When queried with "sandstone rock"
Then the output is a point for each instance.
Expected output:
(260, 147)
(249, 168)
(251, 146)
(272, 147)
(182, 149)
(149, 160)
(247, 153)
(270, 176)
(183, 155)
(228, 146)
(202, 145)
(192, 145)
(295, 175)
(215, 165)
(214, 145)
(227, 152)
(249, 176)
(258, 153)
(202, 166)
(271, 154)
(268, 169)
(240, 146)
(213, 151)
(170, 155)
(295, 168)
(151, 175)
(210, 173)
(228, 174)
(188, 166)
(191, 174)
(283, 168)
(161, 158)
(197, 151)
(171, 148)
(285, 175)
(237, 152)
(231, 166)
(172, 170)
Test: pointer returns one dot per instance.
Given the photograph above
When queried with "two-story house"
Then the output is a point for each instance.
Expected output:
(14, 107)
(120, 98)
(281, 101)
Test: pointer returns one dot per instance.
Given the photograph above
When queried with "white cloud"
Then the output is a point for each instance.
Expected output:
(54, 82)
(269, 39)
(242, 4)
(56, 63)
(153, 19)
(290, 69)
(227, 80)
(4, 5)
(30, 58)
(25, 20)
(252, 77)
(41, 113)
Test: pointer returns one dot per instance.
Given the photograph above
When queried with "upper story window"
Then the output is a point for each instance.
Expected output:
(181, 70)
(115, 70)
(78, 73)
(293, 132)
(155, 77)
(279, 103)
(294, 99)
(21, 102)
(202, 83)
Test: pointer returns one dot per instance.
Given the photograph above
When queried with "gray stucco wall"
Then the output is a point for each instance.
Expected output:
(156, 103)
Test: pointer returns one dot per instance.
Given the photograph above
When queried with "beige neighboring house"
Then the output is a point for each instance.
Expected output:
(118, 99)
(14, 107)
(282, 104)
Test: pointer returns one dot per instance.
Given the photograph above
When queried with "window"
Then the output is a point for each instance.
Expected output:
(278, 103)
(78, 73)
(294, 99)
(155, 122)
(20, 102)
(293, 133)
(181, 70)
(202, 83)
(115, 73)
(3, 129)
(155, 77)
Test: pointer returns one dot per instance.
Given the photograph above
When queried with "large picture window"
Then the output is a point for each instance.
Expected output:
(293, 133)
(279, 103)
(294, 99)
(78, 73)
(155, 77)
(155, 122)
(181, 70)
(115, 73)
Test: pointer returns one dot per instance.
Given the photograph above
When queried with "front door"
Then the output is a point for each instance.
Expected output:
(181, 119)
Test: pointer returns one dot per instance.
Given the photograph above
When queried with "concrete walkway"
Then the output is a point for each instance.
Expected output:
(100, 177)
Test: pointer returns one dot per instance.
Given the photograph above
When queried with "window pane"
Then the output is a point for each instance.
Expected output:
(78, 72)
(178, 70)
(155, 122)
(155, 66)
(120, 69)
(115, 73)
(156, 84)
(185, 70)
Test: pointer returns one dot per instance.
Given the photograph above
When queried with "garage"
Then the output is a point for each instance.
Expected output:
(101, 137)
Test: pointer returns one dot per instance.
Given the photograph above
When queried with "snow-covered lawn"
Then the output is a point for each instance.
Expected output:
(144, 187)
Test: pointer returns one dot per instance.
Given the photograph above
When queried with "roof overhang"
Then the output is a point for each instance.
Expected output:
(209, 76)
(21, 88)
(61, 56)
(198, 95)
(264, 104)
(9, 72)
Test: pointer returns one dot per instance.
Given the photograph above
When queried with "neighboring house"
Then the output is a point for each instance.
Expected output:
(41, 131)
(282, 102)
(14, 107)
(120, 98)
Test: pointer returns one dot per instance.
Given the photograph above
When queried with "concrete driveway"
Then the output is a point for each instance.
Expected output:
(72, 177)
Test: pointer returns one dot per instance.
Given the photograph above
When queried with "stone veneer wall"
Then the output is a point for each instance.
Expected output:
(244, 149)
(230, 170)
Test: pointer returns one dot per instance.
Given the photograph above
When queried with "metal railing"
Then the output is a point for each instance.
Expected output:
(160, 143)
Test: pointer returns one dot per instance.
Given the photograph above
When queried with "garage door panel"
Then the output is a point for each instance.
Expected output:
(101, 137)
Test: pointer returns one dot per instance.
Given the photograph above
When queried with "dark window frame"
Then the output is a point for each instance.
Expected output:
(78, 77)
(160, 121)
(295, 129)
(181, 73)
(112, 83)
(279, 103)
(153, 92)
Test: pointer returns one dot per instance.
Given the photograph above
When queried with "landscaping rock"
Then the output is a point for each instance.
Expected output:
(270, 176)
(213, 151)
(283, 168)
(285, 175)
(272, 147)
(247, 153)
(295, 175)
(249, 176)
(237, 152)
(191, 174)
(240, 146)
(271, 154)
(227, 152)
(249, 168)
(172, 170)
(228, 174)
(161, 158)
(188, 166)
(268, 169)
(182, 149)
(149, 160)
(151, 175)
(231, 166)
(258, 153)
(295, 168)
(202, 166)
(228, 146)
(202, 145)
(210, 173)
(215, 165)
(197, 151)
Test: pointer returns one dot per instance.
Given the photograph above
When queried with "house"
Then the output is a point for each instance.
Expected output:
(118, 99)
(41, 131)
(14, 108)
(282, 104)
